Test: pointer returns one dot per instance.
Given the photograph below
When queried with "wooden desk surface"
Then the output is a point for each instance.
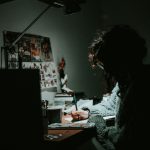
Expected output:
(60, 135)
(69, 139)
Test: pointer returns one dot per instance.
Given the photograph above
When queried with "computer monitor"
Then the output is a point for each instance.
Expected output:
(20, 108)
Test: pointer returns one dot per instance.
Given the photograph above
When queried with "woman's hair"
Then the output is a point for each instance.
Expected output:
(120, 45)
(120, 49)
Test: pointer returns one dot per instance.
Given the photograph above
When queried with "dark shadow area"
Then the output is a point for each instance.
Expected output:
(20, 113)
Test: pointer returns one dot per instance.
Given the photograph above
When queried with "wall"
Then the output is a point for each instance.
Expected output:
(70, 35)
(136, 13)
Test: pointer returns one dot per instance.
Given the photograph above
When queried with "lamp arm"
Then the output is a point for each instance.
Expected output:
(23, 32)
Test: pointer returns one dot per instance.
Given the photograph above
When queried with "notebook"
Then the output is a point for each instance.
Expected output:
(74, 125)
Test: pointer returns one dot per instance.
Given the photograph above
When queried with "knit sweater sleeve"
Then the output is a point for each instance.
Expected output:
(108, 105)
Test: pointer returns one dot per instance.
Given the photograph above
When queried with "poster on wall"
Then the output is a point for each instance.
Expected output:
(30, 47)
(35, 52)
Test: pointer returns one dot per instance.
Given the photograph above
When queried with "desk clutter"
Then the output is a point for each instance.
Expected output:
(52, 136)
(63, 99)
(74, 125)
(67, 99)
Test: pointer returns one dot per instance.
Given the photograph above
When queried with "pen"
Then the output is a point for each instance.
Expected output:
(75, 101)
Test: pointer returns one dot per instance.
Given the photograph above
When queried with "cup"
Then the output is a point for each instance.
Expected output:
(54, 114)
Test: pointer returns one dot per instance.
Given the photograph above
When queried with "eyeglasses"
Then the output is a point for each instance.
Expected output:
(94, 62)
(100, 65)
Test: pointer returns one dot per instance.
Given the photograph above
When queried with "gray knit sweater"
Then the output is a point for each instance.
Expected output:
(109, 104)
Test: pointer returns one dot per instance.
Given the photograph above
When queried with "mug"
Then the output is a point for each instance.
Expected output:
(54, 115)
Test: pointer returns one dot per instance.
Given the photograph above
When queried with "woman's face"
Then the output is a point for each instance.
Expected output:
(111, 68)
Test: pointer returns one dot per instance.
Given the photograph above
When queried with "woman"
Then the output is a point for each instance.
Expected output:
(120, 51)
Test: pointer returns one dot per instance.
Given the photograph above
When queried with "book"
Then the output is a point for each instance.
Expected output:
(63, 97)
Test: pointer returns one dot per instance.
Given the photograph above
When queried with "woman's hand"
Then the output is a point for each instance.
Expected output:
(80, 115)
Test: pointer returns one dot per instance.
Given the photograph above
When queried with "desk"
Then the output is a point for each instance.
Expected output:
(70, 139)
(62, 135)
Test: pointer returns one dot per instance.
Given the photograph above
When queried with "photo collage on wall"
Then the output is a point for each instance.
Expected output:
(34, 52)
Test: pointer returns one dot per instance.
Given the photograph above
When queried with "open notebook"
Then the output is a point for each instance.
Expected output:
(74, 125)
